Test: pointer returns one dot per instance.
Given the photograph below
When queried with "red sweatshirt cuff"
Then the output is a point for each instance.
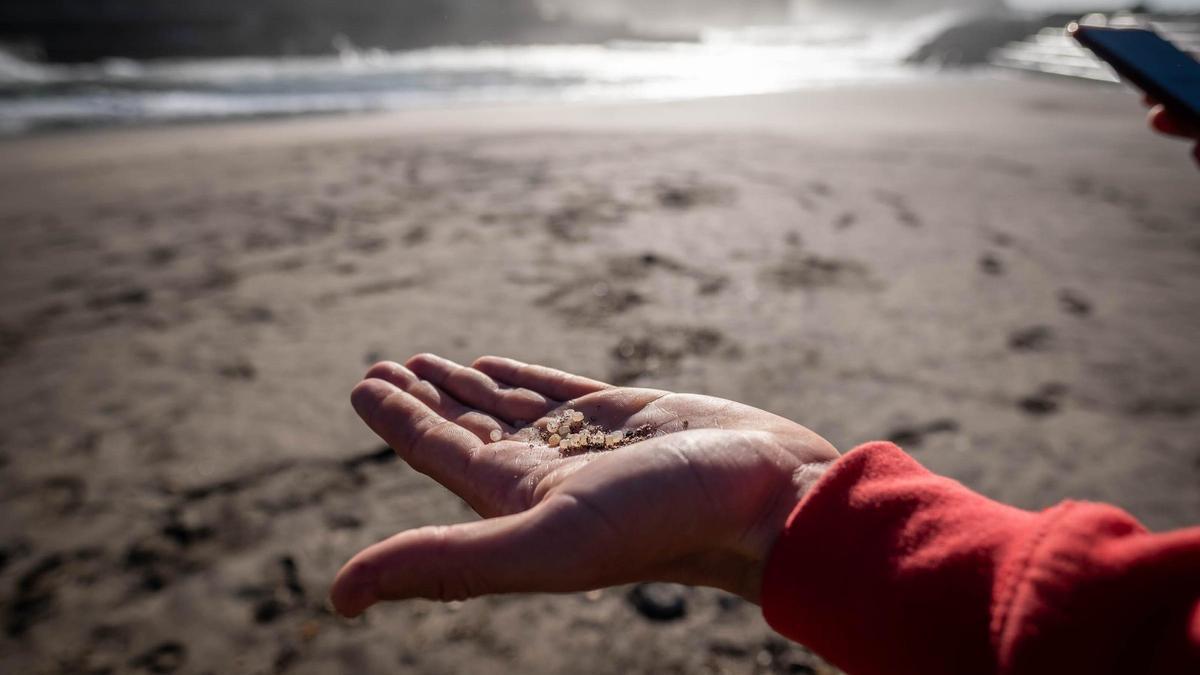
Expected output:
(886, 568)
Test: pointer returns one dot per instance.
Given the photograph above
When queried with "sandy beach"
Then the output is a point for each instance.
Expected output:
(999, 273)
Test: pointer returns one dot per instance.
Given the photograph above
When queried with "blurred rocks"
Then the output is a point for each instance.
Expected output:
(659, 602)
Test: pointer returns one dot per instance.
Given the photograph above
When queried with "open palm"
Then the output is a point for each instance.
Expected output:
(699, 502)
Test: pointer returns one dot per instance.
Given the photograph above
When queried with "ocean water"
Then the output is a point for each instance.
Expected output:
(721, 63)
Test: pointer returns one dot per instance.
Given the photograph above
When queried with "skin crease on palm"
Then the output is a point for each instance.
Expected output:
(701, 502)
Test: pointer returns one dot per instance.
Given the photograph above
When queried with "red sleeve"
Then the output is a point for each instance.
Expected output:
(886, 568)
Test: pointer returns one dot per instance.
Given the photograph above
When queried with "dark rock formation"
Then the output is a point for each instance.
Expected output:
(971, 42)
(675, 14)
(84, 30)
(873, 9)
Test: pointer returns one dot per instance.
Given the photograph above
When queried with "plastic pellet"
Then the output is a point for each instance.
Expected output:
(572, 433)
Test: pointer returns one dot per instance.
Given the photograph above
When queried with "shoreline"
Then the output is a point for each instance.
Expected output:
(789, 112)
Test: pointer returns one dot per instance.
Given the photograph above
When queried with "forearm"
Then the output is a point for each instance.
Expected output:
(887, 568)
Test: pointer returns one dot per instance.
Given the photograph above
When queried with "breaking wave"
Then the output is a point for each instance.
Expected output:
(722, 62)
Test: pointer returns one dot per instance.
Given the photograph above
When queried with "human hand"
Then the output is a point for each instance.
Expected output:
(1163, 122)
(700, 502)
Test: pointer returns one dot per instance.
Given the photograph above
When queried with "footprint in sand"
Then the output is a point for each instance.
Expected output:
(1032, 339)
(813, 192)
(1154, 223)
(63, 495)
(366, 289)
(12, 552)
(571, 222)
(179, 547)
(123, 297)
(415, 236)
(806, 271)
(36, 590)
(1045, 401)
(1163, 406)
(343, 521)
(161, 256)
(66, 282)
(376, 457)
(660, 352)
(239, 368)
(691, 194)
(1083, 186)
(216, 278)
(250, 314)
(643, 265)
(283, 592)
(991, 264)
(913, 436)
(599, 295)
(592, 298)
(900, 208)
(166, 657)
(11, 341)
(367, 245)
(1074, 303)
(1002, 239)
(820, 188)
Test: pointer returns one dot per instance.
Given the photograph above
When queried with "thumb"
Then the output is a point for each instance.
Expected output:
(539, 550)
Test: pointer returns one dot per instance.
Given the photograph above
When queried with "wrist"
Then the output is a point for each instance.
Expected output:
(764, 537)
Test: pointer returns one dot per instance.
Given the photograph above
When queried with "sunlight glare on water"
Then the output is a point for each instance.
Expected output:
(722, 63)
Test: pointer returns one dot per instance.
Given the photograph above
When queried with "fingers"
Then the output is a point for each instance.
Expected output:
(427, 441)
(439, 401)
(477, 389)
(1163, 122)
(539, 550)
(555, 384)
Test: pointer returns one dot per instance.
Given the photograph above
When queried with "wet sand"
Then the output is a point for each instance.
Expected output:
(1001, 275)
